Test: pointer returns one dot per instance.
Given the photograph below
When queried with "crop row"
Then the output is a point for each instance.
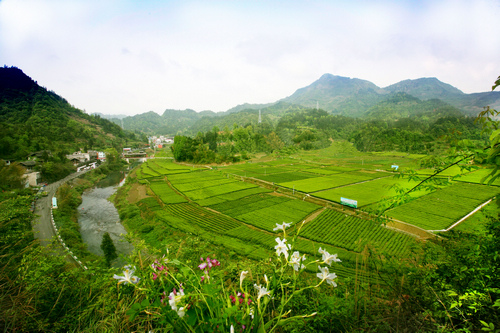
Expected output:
(285, 177)
(478, 177)
(170, 166)
(203, 183)
(247, 204)
(231, 196)
(321, 171)
(304, 246)
(352, 233)
(208, 192)
(266, 218)
(205, 219)
(147, 172)
(165, 193)
(438, 210)
(193, 177)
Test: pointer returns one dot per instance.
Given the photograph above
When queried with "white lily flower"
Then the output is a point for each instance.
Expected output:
(326, 275)
(174, 298)
(128, 276)
(262, 291)
(243, 275)
(296, 261)
(282, 247)
(181, 312)
(328, 258)
(281, 226)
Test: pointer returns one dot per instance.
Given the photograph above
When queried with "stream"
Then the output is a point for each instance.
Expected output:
(96, 216)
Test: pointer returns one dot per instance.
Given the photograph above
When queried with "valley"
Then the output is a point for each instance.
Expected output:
(237, 218)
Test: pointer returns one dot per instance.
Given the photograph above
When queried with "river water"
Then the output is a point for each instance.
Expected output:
(96, 216)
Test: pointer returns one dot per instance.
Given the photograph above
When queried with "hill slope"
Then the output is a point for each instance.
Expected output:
(33, 119)
(338, 94)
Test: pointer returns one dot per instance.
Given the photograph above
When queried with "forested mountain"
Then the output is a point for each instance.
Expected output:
(402, 105)
(354, 97)
(33, 119)
(270, 116)
(432, 88)
(338, 94)
(427, 98)
(171, 122)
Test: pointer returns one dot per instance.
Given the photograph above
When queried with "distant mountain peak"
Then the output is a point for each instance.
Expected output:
(424, 88)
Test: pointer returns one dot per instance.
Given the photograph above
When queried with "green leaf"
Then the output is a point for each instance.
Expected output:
(145, 303)
(185, 271)
(494, 136)
(191, 317)
(132, 313)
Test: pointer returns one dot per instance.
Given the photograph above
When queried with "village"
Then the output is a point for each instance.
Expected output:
(82, 160)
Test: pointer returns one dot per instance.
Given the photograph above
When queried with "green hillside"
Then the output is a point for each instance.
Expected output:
(402, 105)
(33, 119)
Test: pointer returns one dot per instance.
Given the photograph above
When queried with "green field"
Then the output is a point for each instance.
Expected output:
(368, 192)
(241, 215)
(440, 209)
(354, 233)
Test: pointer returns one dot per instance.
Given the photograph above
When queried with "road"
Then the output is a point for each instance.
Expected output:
(42, 225)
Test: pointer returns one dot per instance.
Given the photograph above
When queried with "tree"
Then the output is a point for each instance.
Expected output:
(274, 142)
(11, 176)
(108, 248)
(492, 157)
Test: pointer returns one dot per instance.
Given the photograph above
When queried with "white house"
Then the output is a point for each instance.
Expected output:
(32, 178)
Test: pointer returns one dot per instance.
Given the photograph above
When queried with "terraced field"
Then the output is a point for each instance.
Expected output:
(241, 215)
(440, 209)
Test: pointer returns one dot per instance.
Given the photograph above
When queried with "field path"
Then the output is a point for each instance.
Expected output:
(313, 215)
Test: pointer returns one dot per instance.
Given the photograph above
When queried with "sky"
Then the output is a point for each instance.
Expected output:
(130, 57)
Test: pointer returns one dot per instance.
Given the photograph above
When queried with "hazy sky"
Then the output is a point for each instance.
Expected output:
(131, 57)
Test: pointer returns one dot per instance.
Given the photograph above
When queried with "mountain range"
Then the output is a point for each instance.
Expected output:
(340, 95)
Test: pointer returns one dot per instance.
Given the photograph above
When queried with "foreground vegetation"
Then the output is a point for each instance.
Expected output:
(442, 285)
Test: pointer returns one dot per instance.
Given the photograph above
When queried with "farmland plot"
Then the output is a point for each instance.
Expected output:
(166, 194)
(440, 209)
(368, 192)
(274, 211)
(312, 185)
(167, 167)
(322, 171)
(203, 218)
(193, 177)
(207, 192)
(230, 196)
(353, 233)
(286, 177)
(478, 177)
